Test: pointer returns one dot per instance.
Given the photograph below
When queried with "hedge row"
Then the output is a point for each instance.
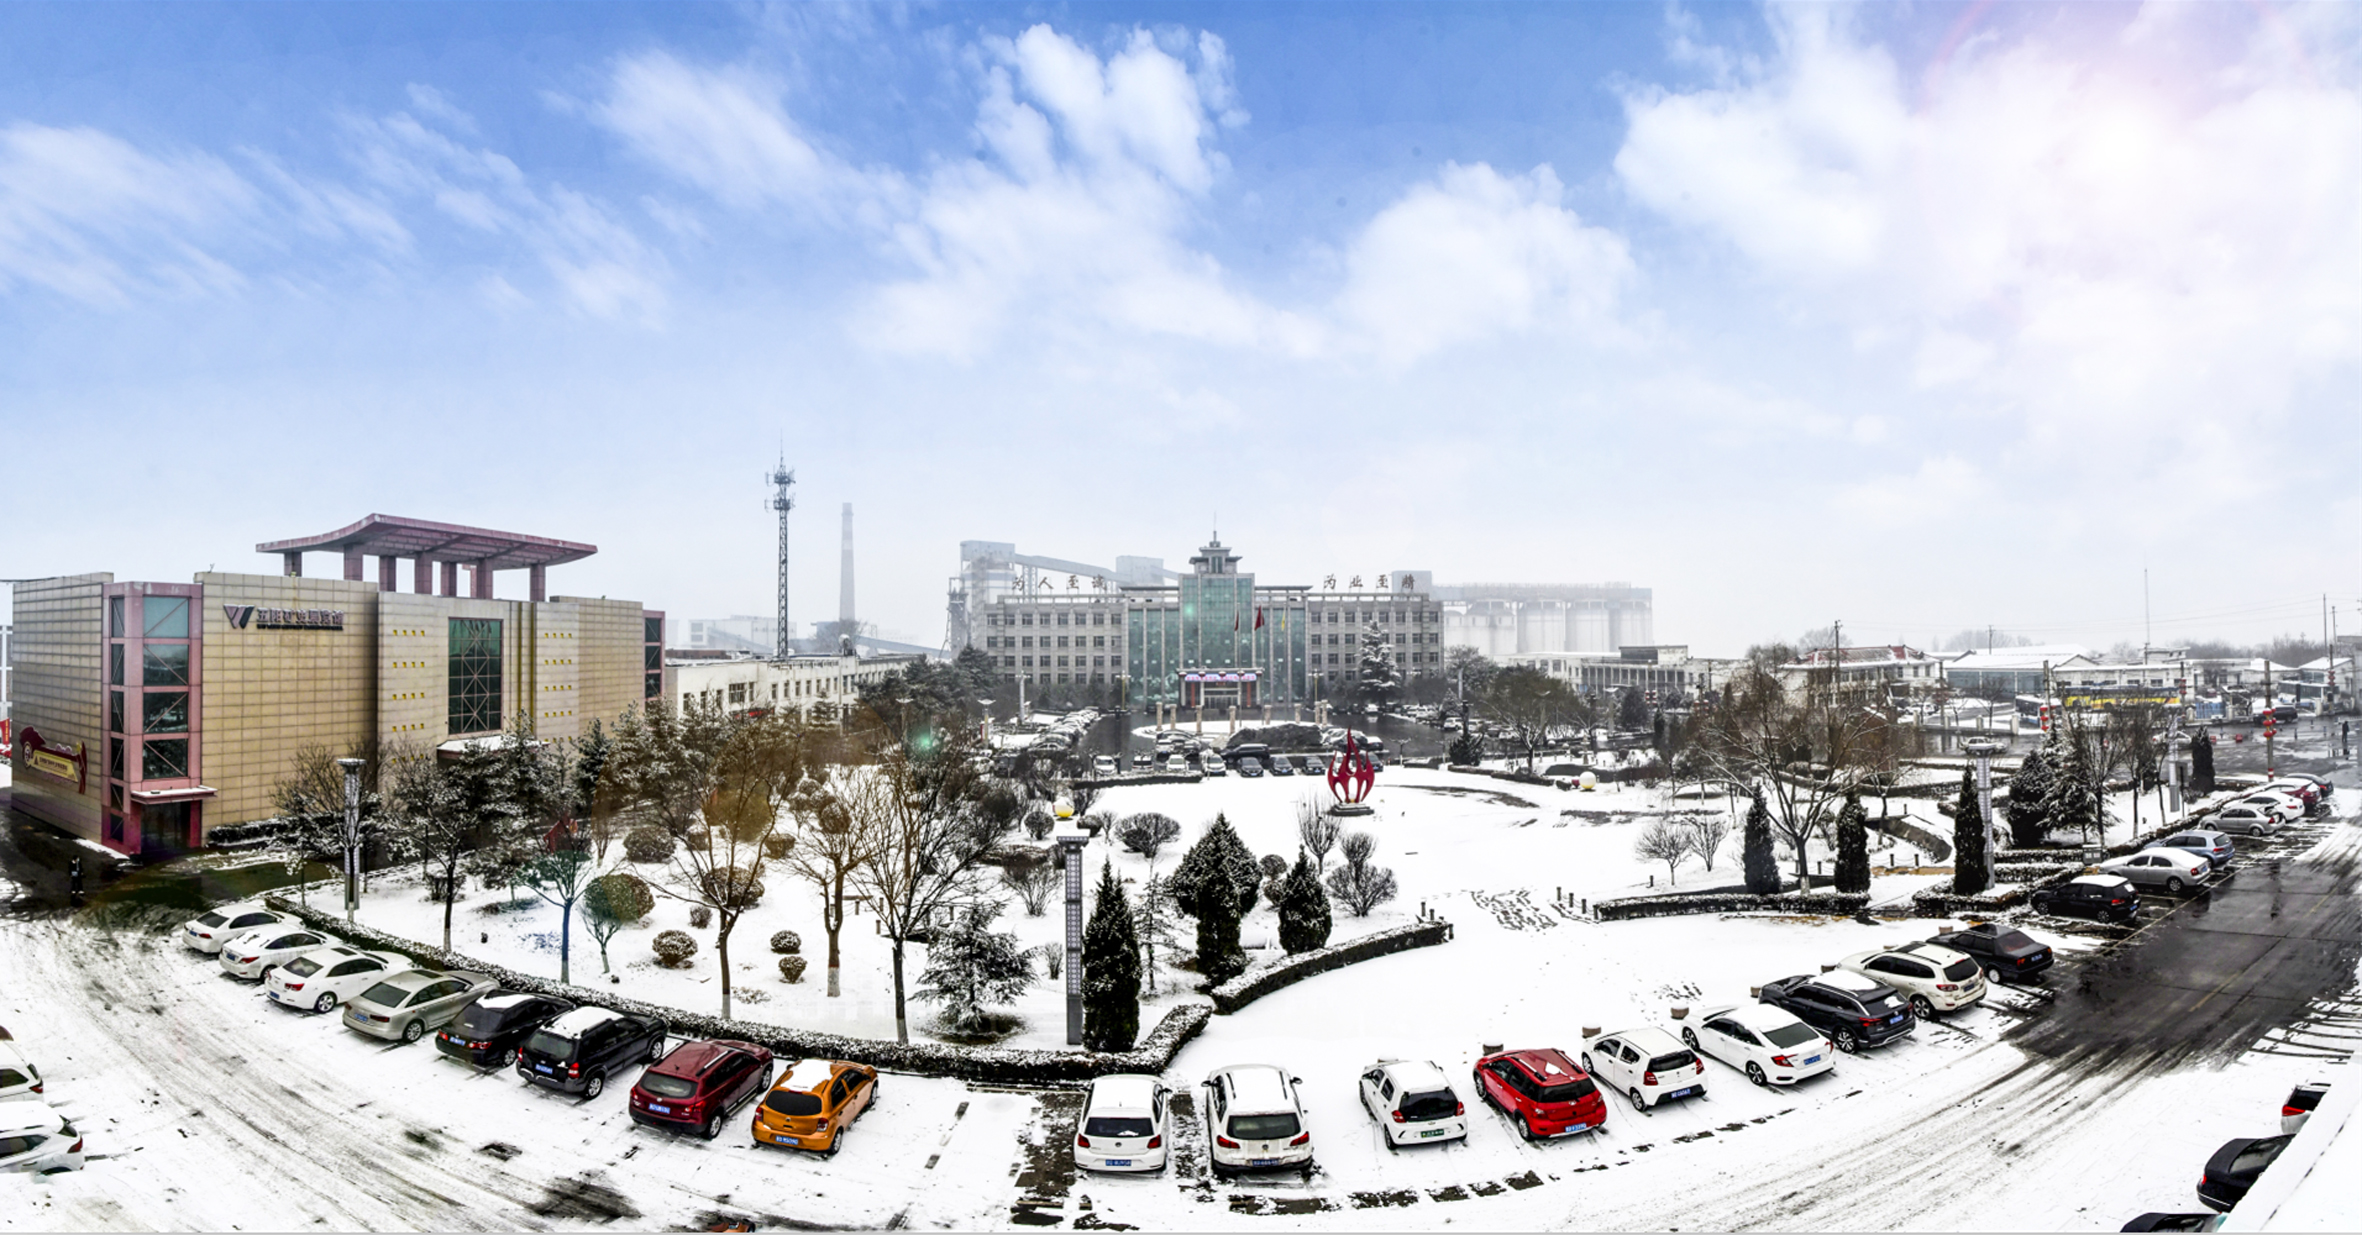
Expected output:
(1835, 904)
(990, 1065)
(1937, 903)
(1249, 987)
(1120, 780)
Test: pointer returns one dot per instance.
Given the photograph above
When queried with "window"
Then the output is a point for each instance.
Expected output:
(1026, 619)
(164, 759)
(652, 630)
(115, 827)
(475, 675)
(1062, 619)
(160, 664)
(652, 658)
(655, 685)
(1098, 641)
(114, 664)
(167, 617)
(115, 756)
(1061, 641)
(164, 711)
(1028, 642)
(115, 617)
(115, 711)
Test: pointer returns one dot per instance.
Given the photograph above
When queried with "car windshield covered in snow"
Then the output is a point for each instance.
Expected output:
(1435, 1104)
(1119, 1125)
(1790, 1035)
(550, 1045)
(793, 1104)
(668, 1086)
(1262, 1127)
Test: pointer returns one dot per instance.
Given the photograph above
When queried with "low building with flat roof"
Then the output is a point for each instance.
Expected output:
(150, 713)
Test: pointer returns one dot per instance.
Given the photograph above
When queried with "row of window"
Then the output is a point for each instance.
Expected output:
(1026, 641)
(1416, 636)
(1013, 662)
(1098, 618)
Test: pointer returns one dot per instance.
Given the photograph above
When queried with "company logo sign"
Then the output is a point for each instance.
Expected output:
(73, 765)
(243, 616)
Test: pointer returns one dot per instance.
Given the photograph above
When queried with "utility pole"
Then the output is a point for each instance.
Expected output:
(352, 835)
(2271, 727)
(782, 501)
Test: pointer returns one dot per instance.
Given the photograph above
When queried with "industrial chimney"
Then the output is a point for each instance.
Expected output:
(845, 626)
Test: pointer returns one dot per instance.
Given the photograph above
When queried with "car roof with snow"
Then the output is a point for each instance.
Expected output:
(1757, 1016)
(1257, 1087)
(1929, 949)
(808, 1074)
(412, 979)
(2196, 837)
(2104, 881)
(1128, 1091)
(1415, 1075)
(1848, 980)
(501, 1001)
(1650, 1039)
(28, 1114)
(581, 1019)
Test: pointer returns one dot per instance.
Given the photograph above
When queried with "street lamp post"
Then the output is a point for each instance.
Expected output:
(352, 835)
(1982, 750)
(1071, 849)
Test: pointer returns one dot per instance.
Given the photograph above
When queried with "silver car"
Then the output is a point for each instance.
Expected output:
(2170, 869)
(409, 1003)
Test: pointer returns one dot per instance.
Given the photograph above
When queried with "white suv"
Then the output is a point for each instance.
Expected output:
(1255, 1121)
(1123, 1125)
(1647, 1065)
(1933, 977)
(1413, 1103)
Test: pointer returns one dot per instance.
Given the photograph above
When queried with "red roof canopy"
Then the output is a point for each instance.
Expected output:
(393, 536)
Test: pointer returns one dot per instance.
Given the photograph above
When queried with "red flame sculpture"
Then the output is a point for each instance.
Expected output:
(1351, 776)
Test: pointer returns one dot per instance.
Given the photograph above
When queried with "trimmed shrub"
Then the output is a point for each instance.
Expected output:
(787, 943)
(791, 968)
(778, 844)
(647, 844)
(674, 948)
(701, 916)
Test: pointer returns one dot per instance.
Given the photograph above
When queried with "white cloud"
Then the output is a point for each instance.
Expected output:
(1474, 254)
(724, 131)
(87, 215)
(2103, 246)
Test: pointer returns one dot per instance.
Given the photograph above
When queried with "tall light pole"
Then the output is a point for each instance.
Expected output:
(1983, 749)
(352, 834)
(1071, 848)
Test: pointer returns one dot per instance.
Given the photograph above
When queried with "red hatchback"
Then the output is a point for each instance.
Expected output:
(699, 1084)
(1543, 1091)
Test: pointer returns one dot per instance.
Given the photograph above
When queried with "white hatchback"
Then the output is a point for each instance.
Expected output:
(325, 977)
(1123, 1125)
(2287, 806)
(1768, 1044)
(34, 1137)
(1933, 977)
(208, 931)
(1255, 1121)
(18, 1077)
(1646, 1065)
(256, 953)
(1413, 1103)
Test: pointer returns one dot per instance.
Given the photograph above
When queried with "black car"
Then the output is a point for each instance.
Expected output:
(2007, 955)
(1853, 1010)
(576, 1052)
(489, 1031)
(2172, 1222)
(2233, 1169)
(2107, 898)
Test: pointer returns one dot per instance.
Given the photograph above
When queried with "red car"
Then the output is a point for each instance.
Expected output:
(1543, 1091)
(699, 1084)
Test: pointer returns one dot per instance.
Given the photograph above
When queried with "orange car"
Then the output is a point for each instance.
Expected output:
(813, 1104)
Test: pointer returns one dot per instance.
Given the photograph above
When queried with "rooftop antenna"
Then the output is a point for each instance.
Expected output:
(782, 501)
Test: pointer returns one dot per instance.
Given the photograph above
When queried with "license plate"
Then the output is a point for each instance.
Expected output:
(1810, 1060)
(1119, 1162)
(1262, 1162)
(1439, 1131)
(661, 1110)
(273, 994)
(1681, 1093)
(542, 1068)
(1896, 1019)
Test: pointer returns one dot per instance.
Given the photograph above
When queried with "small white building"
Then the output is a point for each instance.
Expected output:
(812, 685)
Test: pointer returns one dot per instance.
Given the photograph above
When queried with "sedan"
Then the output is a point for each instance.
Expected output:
(34, 1137)
(2235, 1167)
(488, 1032)
(1770, 1045)
(2109, 897)
(2287, 806)
(1125, 1125)
(2169, 869)
(2215, 847)
(2246, 820)
(1648, 1065)
(207, 932)
(403, 1007)
(256, 953)
(1282, 766)
(2007, 955)
(326, 977)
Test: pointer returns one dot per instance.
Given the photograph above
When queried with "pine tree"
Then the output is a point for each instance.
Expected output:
(2073, 804)
(1968, 840)
(1157, 930)
(1762, 866)
(1380, 683)
(970, 966)
(1219, 849)
(1219, 958)
(1111, 970)
(1853, 846)
(1303, 909)
(2202, 765)
(2029, 797)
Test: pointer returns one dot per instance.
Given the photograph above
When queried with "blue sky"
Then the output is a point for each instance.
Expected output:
(1916, 316)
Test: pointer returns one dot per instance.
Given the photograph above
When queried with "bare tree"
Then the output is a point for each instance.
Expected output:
(1801, 751)
(310, 806)
(829, 850)
(1358, 883)
(1664, 841)
(1034, 881)
(932, 838)
(1532, 705)
(1707, 830)
(435, 809)
(1316, 830)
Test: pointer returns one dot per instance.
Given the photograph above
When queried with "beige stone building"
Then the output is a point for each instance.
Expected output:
(150, 713)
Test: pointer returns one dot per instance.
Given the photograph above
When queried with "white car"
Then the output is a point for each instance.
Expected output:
(1768, 1044)
(1123, 1125)
(1647, 1065)
(1255, 1121)
(1104, 765)
(256, 953)
(325, 977)
(2246, 820)
(2170, 869)
(207, 932)
(18, 1077)
(1212, 765)
(1413, 1103)
(34, 1137)
(1933, 977)
(2287, 806)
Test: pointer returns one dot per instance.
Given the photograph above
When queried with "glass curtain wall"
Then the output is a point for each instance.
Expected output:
(475, 676)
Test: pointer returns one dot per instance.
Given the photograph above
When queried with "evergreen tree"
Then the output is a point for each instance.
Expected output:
(1156, 927)
(1631, 710)
(1219, 849)
(1853, 846)
(2029, 797)
(2073, 804)
(1219, 958)
(971, 966)
(1303, 908)
(1467, 750)
(1762, 866)
(1380, 683)
(2202, 765)
(1111, 970)
(1968, 840)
